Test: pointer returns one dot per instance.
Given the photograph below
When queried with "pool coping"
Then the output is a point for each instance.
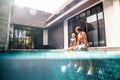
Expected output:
(105, 48)
(90, 48)
(97, 53)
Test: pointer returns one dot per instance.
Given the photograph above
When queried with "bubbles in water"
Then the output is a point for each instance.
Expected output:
(63, 69)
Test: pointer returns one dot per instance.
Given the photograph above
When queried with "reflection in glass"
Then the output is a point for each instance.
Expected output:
(93, 31)
(26, 37)
(92, 22)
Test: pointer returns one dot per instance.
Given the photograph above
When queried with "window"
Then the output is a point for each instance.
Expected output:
(92, 22)
(25, 37)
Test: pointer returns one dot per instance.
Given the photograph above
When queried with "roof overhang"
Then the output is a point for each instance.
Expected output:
(67, 12)
(80, 6)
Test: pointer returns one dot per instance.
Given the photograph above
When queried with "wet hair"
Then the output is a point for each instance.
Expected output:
(79, 28)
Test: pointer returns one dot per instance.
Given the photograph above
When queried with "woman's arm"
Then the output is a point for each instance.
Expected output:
(85, 39)
(78, 40)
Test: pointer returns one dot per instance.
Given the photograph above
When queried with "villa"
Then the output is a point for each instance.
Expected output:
(26, 28)
(33, 42)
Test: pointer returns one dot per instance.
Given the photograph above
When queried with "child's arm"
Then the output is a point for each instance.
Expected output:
(70, 43)
(75, 42)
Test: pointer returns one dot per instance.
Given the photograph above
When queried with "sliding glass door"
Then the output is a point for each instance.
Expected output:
(92, 22)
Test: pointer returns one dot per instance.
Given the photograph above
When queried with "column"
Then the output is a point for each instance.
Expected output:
(112, 22)
(45, 37)
(5, 14)
(66, 34)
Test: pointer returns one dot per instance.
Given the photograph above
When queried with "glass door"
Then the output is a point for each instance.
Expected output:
(92, 29)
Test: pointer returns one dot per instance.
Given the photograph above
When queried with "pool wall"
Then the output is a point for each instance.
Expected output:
(107, 69)
(40, 69)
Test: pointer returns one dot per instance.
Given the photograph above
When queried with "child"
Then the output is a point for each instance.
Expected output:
(72, 41)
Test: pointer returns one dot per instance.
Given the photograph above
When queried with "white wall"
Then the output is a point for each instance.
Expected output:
(66, 34)
(112, 22)
(45, 37)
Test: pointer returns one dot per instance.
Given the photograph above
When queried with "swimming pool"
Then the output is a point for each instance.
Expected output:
(53, 65)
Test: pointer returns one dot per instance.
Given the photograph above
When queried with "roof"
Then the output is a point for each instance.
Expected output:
(29, 17)
(69, 10)
(69, 4)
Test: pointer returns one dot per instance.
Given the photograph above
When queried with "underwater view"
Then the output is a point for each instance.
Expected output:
(60, 65)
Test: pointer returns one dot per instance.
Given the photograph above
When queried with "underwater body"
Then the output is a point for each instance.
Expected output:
(59, 65)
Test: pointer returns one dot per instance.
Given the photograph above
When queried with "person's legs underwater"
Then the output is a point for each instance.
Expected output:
(90, 70)
(80, 62)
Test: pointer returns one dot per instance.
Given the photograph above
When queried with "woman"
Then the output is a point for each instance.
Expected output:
(82, 42)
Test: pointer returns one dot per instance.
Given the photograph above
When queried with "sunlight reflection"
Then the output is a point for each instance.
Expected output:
(44, 5)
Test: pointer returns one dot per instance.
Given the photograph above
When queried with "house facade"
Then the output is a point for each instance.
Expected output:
(31, 29)
(98, 18)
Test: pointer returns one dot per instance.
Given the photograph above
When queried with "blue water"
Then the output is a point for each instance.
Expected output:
(52, 65)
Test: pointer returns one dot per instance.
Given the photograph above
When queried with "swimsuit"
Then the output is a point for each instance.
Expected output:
(80, 47)
(72, 41)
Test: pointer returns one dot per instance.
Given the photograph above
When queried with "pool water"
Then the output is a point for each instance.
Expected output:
(59, 65)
